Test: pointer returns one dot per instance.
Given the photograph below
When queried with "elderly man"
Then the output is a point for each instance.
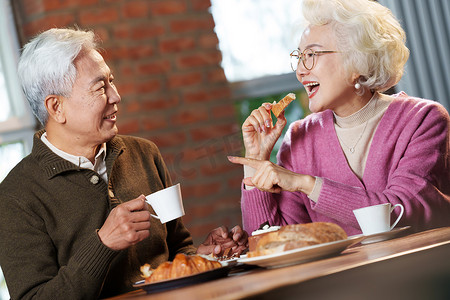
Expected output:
(73, 219)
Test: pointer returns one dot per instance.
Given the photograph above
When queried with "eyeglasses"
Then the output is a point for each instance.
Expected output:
(308, 58)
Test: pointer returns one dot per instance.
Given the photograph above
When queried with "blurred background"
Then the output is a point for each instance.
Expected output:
(190, 71)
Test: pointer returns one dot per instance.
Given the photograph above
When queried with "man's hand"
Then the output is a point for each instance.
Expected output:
(126, 225)
(219, 239)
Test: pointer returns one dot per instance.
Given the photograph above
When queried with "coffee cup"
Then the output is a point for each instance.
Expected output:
(377, 218)
(167, 203)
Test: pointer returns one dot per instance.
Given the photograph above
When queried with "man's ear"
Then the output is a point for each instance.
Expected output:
(55, 108)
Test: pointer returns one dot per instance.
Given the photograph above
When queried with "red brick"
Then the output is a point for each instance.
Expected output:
(166, 7)
(161, 102)
(154, 122)
(186, 79)
(149, 86)
(156, 67)
(138, 31)
(50, 5)
(208, 41)
(50, 21)
(221, 92)
(211, 132)
(131, 107)
(217, 75)
(147, 31)
(99, 16)
(217, 168)
(176, 44)
(128, 126)
(199, 59)
(102, 34)
(216, 94)
(135, 9)
(197, 96)
(201, 190)
(125, 89)
(194, 24)
(32, 7)
(124, 72)
(236, 181)
(224, 111)
(201, 230)
(121, 53)
(190, 115)
(201, 5)
(165, 140)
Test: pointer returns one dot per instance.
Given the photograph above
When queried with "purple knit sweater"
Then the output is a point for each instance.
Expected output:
(408, 163)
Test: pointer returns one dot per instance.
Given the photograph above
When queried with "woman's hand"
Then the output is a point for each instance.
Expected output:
(270, 177)
(259, 134)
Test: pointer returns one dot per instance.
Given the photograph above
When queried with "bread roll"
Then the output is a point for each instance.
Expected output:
(296, 236)
(282, 104)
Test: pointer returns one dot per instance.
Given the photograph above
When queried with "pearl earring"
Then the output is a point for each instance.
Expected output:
(357, 86)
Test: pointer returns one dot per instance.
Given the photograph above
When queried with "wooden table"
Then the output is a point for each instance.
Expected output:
(415, 266)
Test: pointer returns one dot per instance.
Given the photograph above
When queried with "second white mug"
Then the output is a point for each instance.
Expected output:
(377, 218)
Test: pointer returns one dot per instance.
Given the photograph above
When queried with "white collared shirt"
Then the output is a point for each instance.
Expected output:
(99, 165)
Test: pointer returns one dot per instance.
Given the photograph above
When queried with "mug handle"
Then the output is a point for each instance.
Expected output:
(399, 216)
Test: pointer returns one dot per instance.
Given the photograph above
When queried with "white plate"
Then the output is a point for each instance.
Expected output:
(300, 255)
(232, 261)
(382, 236)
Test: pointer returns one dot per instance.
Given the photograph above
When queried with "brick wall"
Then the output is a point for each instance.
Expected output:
(174, 92)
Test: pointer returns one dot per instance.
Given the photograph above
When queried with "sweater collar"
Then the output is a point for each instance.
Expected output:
(53, 164)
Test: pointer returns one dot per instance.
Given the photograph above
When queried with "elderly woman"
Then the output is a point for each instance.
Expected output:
(359, 147)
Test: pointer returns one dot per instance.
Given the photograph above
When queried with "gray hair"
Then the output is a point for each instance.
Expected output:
(370, 37)
(46, 65)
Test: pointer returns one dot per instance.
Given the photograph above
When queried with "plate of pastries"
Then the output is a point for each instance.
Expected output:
(182, 271)
(297, 243)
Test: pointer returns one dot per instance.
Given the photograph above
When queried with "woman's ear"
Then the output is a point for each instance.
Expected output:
(355, 78)
(55, 108)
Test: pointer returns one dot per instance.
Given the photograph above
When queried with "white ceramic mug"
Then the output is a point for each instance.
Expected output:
(167, 203)
(377, 218)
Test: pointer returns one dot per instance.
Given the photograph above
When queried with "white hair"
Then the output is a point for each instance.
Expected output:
(46, 65)
(370, 37)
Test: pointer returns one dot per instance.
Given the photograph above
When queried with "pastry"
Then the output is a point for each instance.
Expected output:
(296, 236)
(182, 265)
(277, 108)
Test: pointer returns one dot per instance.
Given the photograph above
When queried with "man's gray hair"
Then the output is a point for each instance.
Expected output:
(46, 65)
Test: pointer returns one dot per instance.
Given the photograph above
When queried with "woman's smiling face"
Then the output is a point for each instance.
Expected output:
(326, 84)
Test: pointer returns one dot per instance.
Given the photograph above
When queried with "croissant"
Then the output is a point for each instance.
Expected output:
(182, 265)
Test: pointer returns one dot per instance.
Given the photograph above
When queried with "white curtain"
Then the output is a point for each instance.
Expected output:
(427, 27)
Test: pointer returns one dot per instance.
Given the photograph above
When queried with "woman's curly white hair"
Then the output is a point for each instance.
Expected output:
(370, 37)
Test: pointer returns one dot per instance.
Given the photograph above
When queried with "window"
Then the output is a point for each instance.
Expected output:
(16, 121)
(255, 38)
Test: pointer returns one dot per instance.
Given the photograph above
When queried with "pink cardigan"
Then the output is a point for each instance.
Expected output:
(408, 163)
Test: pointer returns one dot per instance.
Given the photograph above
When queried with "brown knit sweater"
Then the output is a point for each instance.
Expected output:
(50, 210)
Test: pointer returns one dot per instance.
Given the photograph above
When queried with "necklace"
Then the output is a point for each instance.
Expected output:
(352, 148)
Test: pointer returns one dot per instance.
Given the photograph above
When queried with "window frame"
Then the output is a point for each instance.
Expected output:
(20, 126)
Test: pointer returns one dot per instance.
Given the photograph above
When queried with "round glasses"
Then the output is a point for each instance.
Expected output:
(308, 58)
